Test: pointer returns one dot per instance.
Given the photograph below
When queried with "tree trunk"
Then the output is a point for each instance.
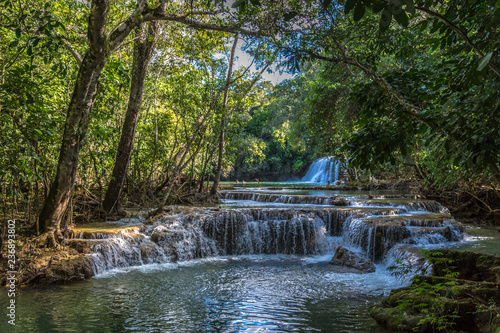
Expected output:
(143, 49)
(76, 126)
(101, 45)
(213, 190)
(77, 121)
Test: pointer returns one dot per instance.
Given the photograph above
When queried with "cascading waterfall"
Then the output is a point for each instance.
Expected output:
(202, 233)
(323, 170)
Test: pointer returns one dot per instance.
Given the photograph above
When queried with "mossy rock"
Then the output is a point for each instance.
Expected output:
(468, 303)
(469, 265)
(77, 268)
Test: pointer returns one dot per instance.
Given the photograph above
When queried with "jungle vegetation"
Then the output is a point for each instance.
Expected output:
(106, 104)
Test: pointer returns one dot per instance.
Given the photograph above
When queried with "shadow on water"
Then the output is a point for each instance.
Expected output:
(224, 294)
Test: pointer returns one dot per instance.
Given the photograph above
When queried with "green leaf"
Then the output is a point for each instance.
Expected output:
(410, 7)
(484, 61)
(436, 25)
(379, 6)
(289, 16)
(402, 18)
(18, 32)
(326, 3)
(385, 19)
(359, 11)
(395, 6)
(238, 3)
(423, 25)
(349, 5)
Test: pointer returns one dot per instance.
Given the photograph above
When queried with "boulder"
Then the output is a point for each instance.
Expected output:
(341, 201)
(344, 257)
(80, 245)
(461, 295)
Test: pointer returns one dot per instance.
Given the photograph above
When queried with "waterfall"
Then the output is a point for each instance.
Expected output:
(323, 170)
(201, 233)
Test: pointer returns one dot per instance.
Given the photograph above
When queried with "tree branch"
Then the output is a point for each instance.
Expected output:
(70, 48)
(143, 14)
(97, 25)
(462, 34)
(408, 108)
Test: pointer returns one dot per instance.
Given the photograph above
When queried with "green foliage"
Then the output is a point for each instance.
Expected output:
(430, 295)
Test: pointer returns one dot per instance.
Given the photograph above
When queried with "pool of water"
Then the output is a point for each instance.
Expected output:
(225, 294)
(249, 293)
(480, 239)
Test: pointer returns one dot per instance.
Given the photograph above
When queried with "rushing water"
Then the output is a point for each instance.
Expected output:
(323, 170)
(244, 268)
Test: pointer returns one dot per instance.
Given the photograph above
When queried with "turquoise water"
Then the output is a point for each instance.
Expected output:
(259, 293)
(245, 294)
(480, 239)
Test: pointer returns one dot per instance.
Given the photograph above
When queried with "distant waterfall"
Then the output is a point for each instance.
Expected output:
(323, 170)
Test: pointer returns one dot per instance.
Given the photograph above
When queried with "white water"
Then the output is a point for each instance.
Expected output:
(243, 269)
(323, 170)
(233, 268)
(292, 229)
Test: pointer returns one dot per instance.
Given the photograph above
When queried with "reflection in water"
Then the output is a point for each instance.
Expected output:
(250, 293)
(480, 239)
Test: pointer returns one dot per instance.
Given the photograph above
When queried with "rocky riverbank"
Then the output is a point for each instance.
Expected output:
(37, 266)
(462, 294)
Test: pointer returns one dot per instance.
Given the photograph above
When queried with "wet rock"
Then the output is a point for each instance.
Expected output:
(341, 202)
(80, 245)
(466, 302)
(344, 257)
(67, 270)
(148, 250)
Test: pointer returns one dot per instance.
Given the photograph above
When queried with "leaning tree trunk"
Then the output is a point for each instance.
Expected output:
(143, 49)
(75, 129)
(213, 190)
(101, 45)
(77, 121)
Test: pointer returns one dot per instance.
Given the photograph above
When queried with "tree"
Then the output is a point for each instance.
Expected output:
(218, 172)
(144, 45)
(101, 47)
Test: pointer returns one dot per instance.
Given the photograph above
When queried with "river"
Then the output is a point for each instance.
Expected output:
(256, 263)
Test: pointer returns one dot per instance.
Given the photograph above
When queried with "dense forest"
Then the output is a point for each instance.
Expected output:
(131, 128)
(106, 104)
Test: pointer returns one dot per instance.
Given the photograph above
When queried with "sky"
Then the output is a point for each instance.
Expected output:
(243, 59)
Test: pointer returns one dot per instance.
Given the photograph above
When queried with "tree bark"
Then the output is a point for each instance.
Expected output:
(213, 190)
(77, 120)
(101, 46)
(143, 50)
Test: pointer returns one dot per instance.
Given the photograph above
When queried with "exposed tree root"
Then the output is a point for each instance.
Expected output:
(50, 239)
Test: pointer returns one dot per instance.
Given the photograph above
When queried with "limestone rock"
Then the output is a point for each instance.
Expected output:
(80, 245)
(341, 202)
(466, 303)
(344, 257)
